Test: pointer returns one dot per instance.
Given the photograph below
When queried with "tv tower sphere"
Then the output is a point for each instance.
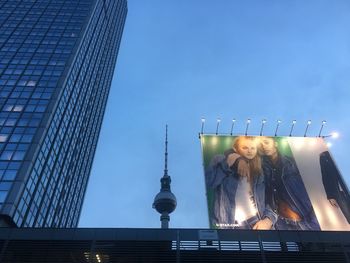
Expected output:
(165, 201)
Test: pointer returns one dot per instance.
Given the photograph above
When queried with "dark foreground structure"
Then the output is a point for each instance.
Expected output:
(171, 245)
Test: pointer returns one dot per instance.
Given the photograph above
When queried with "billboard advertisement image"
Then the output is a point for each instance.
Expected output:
(281, 183)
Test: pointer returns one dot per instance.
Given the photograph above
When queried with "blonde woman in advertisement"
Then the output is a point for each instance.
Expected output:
(237, 182)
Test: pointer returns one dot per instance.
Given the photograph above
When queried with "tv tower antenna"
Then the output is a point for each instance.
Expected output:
(165, 201)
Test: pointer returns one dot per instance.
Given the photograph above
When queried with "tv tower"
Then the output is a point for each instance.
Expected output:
(165, 200)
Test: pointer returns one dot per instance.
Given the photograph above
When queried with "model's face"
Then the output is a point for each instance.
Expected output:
(268, 146)
(247, 148)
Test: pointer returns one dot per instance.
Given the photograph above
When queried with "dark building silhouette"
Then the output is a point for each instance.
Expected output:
(57, 60)
(171, 245)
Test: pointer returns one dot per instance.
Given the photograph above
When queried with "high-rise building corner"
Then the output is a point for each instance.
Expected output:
(57, 59)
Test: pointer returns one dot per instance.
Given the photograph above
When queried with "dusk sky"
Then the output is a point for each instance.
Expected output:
(181, 60)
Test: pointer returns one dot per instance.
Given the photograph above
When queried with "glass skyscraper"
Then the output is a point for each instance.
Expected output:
(57, 59)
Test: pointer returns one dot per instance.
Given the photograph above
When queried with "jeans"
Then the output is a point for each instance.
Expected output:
(289, 224)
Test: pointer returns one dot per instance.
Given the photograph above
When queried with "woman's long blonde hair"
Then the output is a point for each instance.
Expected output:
(255, 163)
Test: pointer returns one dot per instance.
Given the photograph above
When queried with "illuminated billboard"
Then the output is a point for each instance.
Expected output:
(282, 183)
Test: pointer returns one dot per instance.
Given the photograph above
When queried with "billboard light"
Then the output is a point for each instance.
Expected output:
(278, 125)
(335, 135)
(291, 129)
(307, 127)
(322, 125)
(218, 120)
(262, 132)
(246, 129)
(232, 125)
(262, 126)
(202, 126)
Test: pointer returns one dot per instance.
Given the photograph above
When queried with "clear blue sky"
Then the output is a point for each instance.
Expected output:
(183, 59)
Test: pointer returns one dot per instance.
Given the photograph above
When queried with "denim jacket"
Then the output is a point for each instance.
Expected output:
(297, 195)
(223, 181)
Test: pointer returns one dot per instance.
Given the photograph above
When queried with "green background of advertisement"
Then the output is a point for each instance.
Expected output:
(213, 145)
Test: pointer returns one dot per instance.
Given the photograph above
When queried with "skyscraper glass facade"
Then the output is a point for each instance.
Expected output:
(57, 59)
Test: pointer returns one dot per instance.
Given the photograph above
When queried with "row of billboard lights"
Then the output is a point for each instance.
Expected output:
(264, 121)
